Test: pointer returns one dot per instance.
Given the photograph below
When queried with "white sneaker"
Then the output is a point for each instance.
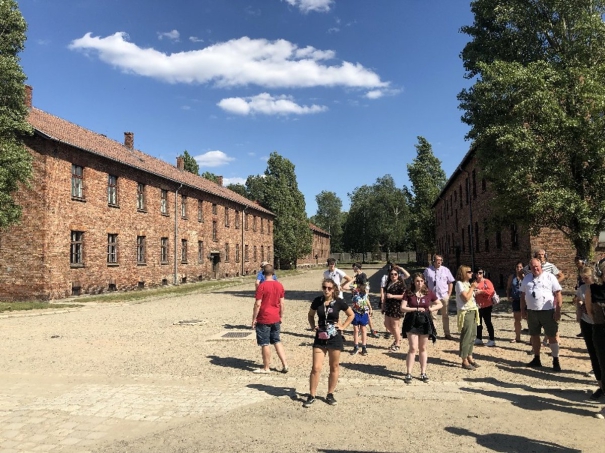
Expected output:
(545, 341)
(491, 343)
(478, 342)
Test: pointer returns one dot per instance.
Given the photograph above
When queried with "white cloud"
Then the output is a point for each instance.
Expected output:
(251, 154)
(377, 94)
(333, 30)
(266, 104)
(213, 159)
(374, 94)
(306, 6)
(236, 180)
(238, 62)
(185, 107)
(195, 39)
(173, 35)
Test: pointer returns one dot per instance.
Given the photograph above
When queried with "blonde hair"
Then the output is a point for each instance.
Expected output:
(461, 274)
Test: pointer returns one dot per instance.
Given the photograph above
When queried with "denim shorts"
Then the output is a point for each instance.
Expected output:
(361, 319)
(267, 334)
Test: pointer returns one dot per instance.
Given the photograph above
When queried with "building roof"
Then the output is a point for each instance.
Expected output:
(465, 160)
(63, 131)
(316, 229)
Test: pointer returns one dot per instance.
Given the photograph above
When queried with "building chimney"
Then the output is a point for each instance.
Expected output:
(28, 96)
(219, 180)
(129, 140)
(180, 163)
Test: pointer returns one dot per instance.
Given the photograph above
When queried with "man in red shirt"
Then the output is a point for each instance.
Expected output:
(266, 319)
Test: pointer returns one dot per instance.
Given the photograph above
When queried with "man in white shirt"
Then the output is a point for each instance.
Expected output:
(339, 276)
(440, 280)
(541, 305)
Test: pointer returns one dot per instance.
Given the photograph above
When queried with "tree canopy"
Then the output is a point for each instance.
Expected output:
(210, 176)
(329, 217)
(190, 163)
(15, 160)
(536, 111)
(427, 180)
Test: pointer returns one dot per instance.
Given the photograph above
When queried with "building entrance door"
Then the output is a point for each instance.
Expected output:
(216, 259)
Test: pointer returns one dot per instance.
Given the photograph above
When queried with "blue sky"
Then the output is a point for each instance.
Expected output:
(342, 88)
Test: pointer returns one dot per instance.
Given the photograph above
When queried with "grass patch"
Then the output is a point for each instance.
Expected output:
(24, 306)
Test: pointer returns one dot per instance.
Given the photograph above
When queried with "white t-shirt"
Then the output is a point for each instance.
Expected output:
(539, 291)
(461, 304)
(337, 275)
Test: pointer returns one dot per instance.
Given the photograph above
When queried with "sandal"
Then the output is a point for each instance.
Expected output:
(394, 348)
(474, 364)
(468, 367)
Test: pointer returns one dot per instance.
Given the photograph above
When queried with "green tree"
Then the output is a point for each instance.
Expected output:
(329, 217)
(292, 237)
(191, 164)
(210, 176)
(238, 188)
(427, 180)
(15, 160)
(377, 219)
(536, 111)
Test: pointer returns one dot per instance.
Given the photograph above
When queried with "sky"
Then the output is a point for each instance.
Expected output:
(341, 88)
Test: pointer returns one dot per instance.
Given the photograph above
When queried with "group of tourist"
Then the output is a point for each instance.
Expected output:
(534, 292)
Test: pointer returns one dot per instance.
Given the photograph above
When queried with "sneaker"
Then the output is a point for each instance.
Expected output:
(309, 402)
(364, 351)
(545, 341)
(555, 365)
(407, 378)
(491, 343)
(424, 378)
(535, 363)
(285, 370)
(355, 350)
(596, 395)
(331, 400)
(373, 334)
(478, 342)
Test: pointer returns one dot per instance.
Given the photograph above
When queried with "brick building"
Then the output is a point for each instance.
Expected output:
(463, 212)
(320, 250)
(101, 215)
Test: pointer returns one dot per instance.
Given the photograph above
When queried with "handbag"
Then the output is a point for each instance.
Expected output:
(495, 299)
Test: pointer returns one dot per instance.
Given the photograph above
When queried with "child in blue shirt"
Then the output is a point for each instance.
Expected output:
(363, 310)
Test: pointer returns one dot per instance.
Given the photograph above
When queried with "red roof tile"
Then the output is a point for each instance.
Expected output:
(317, 229)
(63, 131)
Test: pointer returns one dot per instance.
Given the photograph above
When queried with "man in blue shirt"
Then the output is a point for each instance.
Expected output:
(260, 277)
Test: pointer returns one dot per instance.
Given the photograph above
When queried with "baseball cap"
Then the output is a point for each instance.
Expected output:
(264, 263)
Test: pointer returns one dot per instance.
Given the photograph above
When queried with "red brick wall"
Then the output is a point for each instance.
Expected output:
(35, 255)
(320, 251)
(498, 262)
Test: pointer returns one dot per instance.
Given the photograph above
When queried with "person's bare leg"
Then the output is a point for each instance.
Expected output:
(364, 335)
(281, 353)
(423, 354)
(318, 360)
(355, 335)
(397, 331)
(517, 316)
(412, 350)
(266, 352)
(536, 344)
(334, 355)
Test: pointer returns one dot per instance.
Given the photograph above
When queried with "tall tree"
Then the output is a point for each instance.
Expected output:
(210, 176)
(191, 164)
(536, 111)
(238, 188)
(15, 161)
(427, 180)
(329, 217)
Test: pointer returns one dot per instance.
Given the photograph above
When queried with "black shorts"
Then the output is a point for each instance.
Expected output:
(334, 342)
(414, 325)
(516, 305)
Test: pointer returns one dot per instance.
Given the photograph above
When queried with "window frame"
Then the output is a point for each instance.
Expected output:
(77, 182)
(141, 199)
(112, 249)
(141, 250)
(183, 207)
(200, 252)
(76, 249)
(164, 202)
(112, 191)
(184, 251)
(164, 250)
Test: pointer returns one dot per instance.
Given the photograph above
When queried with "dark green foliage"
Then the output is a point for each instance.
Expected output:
(210, 176)
(329, 217)
(15, 161)
(238, 188)
(191, 164)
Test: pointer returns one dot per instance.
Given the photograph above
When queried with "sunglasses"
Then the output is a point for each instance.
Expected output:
(480, 273)
(394, 273)
(329, 288)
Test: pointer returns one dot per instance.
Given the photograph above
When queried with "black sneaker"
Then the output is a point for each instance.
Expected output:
(331, 400)
(364, 351)
(535, 363)
(374, 334)
(407, 378)
(555, 364)
(596, 395)
(424, 378)
(355, 350)
(309, 402)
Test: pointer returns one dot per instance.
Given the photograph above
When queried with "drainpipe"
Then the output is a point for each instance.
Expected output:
(176, 231)
(241, 248)
(470, 215)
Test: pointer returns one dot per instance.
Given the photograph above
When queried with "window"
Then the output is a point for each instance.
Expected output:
(470, 238)
(77, 182)
(237, 214)
(237, 253)
(200, 211)
(183, 207)
(467, 189)
(76, 249)
(200, 251)
(226, 252)
(456, 217)
(184, 251)
(164, 202)
(269, 254)
(112, 249)
(112, 190)
(226, 217)
(474, 184)
(499, 240)
(246, 253)
(141, 258)
(214, 209)
(462, 235)
(253, 223)
(514, 237)
(214, 231)
(140, 197)
(485, 231)
(460, 195)
(246, 221)
(477, 237)
(262, 225)
(255, 256)
(262, 253)
(164, 250)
